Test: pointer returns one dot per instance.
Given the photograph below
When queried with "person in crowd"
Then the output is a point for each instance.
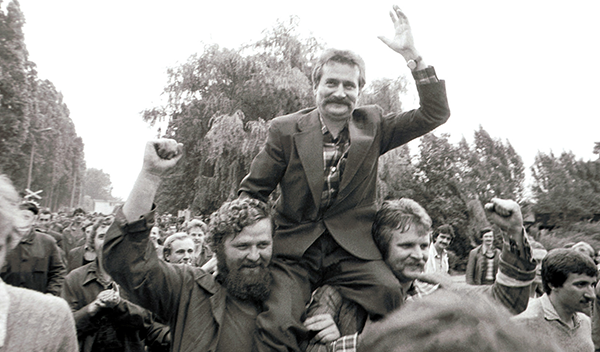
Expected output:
(29, 320)
(84, 254)
(44, 224)
(538, 252)
(482, 264)
(325, 161)
(105, 318)
(73, 235)
(179, 249)
(157, 241)
(205, 313)
(585, 248)
(438, 254)
(558, 316)
(401, 232)
(35, 262)
(198, 229)
(442, 322)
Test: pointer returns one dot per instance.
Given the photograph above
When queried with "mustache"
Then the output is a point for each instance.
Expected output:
(335, 100)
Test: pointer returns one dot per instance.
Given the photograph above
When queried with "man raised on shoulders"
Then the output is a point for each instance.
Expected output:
(325, 161)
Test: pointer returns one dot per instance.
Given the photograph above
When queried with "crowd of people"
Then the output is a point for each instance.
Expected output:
(324, 269)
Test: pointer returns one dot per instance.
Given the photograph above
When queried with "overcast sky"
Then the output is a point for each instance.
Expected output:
(526, 71)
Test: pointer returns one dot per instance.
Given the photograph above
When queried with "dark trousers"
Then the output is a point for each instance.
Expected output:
(370, 283)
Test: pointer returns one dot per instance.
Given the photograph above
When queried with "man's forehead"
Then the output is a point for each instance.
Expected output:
(575, 277)
(410, 236)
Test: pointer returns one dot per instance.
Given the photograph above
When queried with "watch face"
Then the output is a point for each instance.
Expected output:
(412, 64)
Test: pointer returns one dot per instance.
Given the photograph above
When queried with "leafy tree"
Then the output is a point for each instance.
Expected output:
(223, 95)
(14, 97)
(97, 184)
(28, 106)
(566, 189)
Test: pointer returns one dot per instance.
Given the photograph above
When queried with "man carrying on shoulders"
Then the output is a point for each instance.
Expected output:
(401, 232)
(205, 313)
(325, 161)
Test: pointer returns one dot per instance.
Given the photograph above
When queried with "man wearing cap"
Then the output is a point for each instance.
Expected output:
(35, 263)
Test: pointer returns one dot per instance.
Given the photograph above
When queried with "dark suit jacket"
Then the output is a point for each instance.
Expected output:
(293, 158)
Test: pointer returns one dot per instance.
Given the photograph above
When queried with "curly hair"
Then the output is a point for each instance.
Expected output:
(233, 216)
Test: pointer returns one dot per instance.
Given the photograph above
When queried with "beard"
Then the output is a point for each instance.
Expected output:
(254, 286)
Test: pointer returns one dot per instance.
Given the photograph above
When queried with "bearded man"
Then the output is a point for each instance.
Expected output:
(205, 313)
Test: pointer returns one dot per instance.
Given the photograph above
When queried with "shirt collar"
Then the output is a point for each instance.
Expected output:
(550, 312)
(91, 274)
(4, 305)
(325, 130)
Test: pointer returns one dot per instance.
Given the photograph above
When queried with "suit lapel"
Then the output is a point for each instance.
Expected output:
(309, 144)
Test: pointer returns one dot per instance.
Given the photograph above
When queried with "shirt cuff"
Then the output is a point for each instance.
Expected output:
(345, 343)
(425, 76)
(516, 269)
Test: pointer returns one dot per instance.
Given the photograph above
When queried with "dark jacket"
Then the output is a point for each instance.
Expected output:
(293, 158)
(185, 296)
(476, 264)
(35, 263)
(122, 328)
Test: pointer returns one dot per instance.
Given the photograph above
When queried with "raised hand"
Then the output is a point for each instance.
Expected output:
(402, 42)
(161, 155)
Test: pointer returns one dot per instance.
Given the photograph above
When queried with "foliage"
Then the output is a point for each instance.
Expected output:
(34, 122)
(566, 189)
(225, 96)
(97, 185)
(573, 233)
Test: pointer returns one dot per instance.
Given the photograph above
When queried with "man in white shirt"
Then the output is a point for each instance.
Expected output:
(438, 255)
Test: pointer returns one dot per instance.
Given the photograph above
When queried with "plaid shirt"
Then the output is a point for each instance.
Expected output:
(335, 151)
(515, 275)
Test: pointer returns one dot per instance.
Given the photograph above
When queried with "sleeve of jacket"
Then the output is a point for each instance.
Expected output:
(267, 168)
(471, 267)
(400, 128)
(131, 261)
(84, 321)
(56, 270)
(516, 272)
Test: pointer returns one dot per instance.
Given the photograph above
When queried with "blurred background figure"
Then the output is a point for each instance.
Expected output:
(29, 320)
(35, 262)
(482, 265)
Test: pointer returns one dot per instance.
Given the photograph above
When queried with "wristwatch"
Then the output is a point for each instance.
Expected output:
(413, 63)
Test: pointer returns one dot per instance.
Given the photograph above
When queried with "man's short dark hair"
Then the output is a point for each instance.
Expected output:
(398, 214)
(346, 57)
(445, 229)
(78, 211)
(442, 322)
(484, 230)
(31, 206)
(560, 262)
(232, 217)
(46, 211)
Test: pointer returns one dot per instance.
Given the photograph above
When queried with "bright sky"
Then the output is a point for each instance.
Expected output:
(526, 71)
